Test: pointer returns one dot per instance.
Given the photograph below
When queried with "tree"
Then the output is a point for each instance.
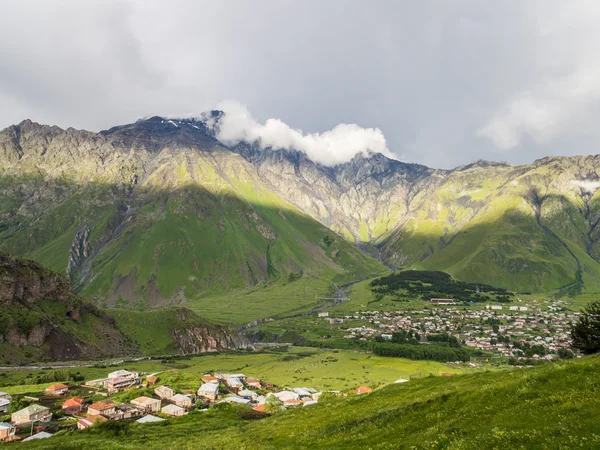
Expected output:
(586, 332)
(272, 404)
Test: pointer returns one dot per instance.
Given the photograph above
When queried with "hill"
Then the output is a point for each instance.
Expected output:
(41, 319)
(551, 406)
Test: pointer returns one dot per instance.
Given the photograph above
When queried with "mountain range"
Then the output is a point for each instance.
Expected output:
(160, 212)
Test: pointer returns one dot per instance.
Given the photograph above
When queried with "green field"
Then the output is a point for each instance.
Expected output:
(553, 406)
(295, 367)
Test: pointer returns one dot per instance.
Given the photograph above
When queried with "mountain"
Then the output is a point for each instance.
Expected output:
(528, 228)
(42, 319)
(160, 212)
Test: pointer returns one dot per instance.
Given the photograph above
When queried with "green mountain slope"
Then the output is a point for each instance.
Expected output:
(553, 406)
(159, 212)
(41, 319)
(148, 215)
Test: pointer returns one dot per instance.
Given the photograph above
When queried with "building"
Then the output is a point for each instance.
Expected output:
(5, 396)
(323, 314)
(72, 406)
(4, 405)
(442, 301)
(103, 407)
(286, 395)
(234, 383)
(121, 379)
(363, 390)
(149, 419)
(40, 435)
(82, 424)
(173, 410)
(164, 392)
(33, 413)
(210, 379)
(7, 431)
(146, 404)
(181, 400)
(151, 380)
(57, 389)
(253, 382)
(209, 391)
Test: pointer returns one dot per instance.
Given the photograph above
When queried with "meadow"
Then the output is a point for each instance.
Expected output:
(552, 406)
(294, 366)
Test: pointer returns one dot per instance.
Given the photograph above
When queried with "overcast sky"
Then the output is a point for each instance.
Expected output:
(446, 82)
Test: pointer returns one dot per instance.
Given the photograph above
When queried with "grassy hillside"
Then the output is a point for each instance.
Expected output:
(553, 406)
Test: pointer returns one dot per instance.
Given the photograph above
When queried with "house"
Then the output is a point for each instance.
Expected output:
(310, 402)
(286, 395)
(57, 389)
(102, 407)
(149, 419)
(146, 404)
(259, 408)
(253, 382)
(4, 405)
(173, 410)
(121, 379)
(292, 402)
(235, 399)
(5, 396)
(126, 411)
(247, 393)
(183, 401)
(323, 314)
(234, 383)
(164, 392)
(239, 376)
(151, 380)
(72, 406)
(7, 431)
(40, 435)
(82, 424)
(33, 413)
(209, 391)
(363, 390)
(304, 392)
(401, 380)
(210, 379)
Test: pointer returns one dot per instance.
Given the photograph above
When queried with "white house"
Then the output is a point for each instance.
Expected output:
(173, 410)
(209, 391)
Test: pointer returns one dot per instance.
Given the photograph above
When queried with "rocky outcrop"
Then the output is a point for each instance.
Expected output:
(28, 282)
(195, 340)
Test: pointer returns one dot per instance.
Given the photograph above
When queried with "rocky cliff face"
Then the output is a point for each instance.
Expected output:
(41, 319)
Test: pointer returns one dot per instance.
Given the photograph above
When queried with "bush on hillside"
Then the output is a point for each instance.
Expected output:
(586, 332)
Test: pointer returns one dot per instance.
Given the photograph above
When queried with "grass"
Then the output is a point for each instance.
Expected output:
(321, 369)
(553, 406)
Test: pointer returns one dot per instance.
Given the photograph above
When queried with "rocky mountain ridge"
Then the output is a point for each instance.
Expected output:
(475, 221)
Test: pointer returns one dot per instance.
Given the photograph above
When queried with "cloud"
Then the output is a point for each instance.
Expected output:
(589, 186)
(336, 146)
(565, 87)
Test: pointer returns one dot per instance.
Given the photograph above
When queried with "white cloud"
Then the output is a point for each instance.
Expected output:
(590, 186)
(329, 148)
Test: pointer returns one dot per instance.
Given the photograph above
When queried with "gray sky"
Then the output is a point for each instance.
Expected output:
(446, 82)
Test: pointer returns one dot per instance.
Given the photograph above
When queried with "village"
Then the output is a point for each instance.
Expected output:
(534, 330)
(86, 405)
